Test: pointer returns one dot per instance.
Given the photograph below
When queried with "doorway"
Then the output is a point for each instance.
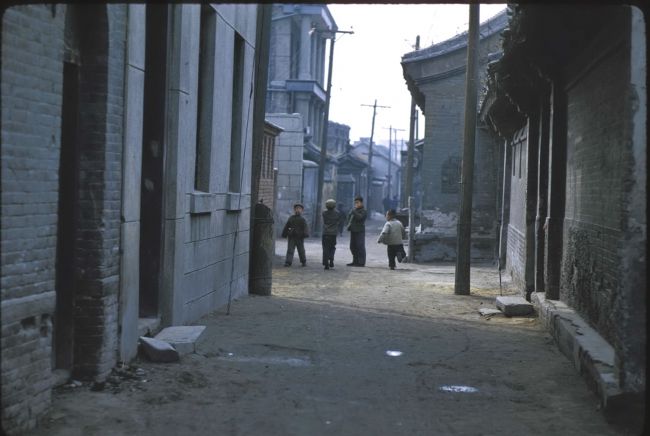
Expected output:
(63, 328)
(153, 145)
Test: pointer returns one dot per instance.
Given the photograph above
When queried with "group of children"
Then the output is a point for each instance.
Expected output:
(392, 234)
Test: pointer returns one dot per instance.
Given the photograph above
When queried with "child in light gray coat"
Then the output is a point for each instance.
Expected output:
(392, 235)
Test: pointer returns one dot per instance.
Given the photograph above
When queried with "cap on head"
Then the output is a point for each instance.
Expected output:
(330, 204)
(358, 198)
(298, 205)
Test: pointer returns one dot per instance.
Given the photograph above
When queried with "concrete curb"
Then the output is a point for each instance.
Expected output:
(592, 356)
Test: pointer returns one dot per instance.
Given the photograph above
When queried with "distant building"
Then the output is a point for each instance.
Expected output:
(338, 137)
(289, 146)
(435, 76)
(380, 174)
(296, 77)
(352, 177)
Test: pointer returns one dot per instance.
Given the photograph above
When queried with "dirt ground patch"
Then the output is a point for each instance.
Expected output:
(349, 351)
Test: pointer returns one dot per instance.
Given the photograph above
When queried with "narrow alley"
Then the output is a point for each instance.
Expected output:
(349, 351)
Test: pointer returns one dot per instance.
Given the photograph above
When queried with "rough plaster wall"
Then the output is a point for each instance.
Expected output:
(598, 178)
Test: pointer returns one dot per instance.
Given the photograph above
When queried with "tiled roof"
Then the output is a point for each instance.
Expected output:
(489, 27)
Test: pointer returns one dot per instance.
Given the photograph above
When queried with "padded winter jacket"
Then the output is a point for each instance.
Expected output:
(393, 233)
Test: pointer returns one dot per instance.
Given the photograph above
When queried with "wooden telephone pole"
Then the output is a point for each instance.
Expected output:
(372, 134)
(390, 153)
(408, 191)
(461, 285)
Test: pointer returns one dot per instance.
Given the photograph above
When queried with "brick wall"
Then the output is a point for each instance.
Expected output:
(31, 105)
(32, 82)
(598, 163)
(98, 237)
(445, 105)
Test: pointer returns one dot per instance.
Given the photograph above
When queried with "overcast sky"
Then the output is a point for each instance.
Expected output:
(367, 63)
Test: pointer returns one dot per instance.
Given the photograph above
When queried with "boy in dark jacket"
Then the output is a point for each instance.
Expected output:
(296, 231)
(331, 219)
(357, 228)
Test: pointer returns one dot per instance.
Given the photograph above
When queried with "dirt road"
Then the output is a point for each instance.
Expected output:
(349, 351)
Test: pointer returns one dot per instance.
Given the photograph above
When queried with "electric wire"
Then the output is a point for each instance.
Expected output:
(241, 176)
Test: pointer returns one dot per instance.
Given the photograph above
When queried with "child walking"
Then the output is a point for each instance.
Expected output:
(296, 231)
(392, 235)
(331, 219)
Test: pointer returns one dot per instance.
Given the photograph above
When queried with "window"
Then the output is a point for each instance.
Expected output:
(450, 175)
(237, 112)
(205, 95)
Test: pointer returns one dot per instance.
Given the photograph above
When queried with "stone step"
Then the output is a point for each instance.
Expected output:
(592, 356)
(512, 305)
(183, 338)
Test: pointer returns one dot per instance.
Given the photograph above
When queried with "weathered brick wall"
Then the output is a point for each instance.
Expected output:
(442, 80)
(32, 80)
(31, 115)
(598, 166)
(444, 119)
(98, 237)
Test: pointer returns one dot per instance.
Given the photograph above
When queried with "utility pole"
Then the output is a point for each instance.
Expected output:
(323, 141)
(408, 191)
(390, 154)
(461, 285)
(372, 134)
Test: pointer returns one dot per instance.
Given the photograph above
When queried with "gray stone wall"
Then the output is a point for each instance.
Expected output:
(288, 161)
(215, 226)
(516, 240)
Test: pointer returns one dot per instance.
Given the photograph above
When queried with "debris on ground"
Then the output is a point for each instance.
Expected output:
(489, 313)
(158, 351)
(512, 305)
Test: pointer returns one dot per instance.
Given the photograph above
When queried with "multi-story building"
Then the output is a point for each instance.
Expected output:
(125, 192)
(296, 81)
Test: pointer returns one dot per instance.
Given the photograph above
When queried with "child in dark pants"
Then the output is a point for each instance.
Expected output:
(331, 218)
(392, 235)
(296, 231)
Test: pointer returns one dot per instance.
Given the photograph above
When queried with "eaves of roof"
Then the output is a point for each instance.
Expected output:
(458, 42)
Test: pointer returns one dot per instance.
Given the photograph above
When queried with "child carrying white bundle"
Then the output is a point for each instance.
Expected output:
(392, 235)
